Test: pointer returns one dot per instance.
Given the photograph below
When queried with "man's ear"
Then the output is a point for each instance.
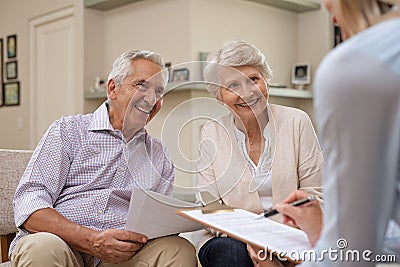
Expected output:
(111, 89)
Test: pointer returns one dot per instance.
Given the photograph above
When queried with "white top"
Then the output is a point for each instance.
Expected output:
(261, 172)
(357, 107)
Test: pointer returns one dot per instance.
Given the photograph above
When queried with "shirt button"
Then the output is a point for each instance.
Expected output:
(99, 212)
(122, 168)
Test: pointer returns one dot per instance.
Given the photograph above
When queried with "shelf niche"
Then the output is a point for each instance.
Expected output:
(297, 6)
(280, 92)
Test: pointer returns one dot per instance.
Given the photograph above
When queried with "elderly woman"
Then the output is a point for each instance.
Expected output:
(258, 153)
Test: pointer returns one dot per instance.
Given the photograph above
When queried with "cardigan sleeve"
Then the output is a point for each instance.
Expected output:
(310, 159)
(206, 176)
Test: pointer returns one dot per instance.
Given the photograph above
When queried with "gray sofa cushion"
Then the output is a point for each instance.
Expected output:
(12, 166)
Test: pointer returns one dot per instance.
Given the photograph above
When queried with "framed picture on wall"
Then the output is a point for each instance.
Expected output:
(203, 56)
(11, 95)
(12, 46)
(11, 70)
(203, 59)
(301, 73)
(180, 75)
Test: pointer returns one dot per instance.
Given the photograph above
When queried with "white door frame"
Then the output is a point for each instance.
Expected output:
(33, 25)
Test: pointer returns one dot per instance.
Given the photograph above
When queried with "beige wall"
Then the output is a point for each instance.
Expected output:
(14, 19)
(314, 37)
(94, 65)
(272, 30)
(178, 29)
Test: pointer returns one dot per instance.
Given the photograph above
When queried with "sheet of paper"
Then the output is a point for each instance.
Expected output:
(263, 232)
(154, 215)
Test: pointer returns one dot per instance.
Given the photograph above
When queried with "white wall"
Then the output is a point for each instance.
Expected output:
(187, 27)
(162, 26)
(179, 30)
(14, 19)
(272, 30)
(158, 25)
(314, 37)
(94, 65)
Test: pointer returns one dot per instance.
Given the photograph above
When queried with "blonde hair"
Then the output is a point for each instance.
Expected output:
(358, 15)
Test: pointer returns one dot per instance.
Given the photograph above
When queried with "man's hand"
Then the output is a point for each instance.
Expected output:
(115, 245)
(307, 217)
(111, 245)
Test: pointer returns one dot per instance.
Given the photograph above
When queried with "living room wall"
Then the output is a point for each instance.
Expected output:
(178, 29)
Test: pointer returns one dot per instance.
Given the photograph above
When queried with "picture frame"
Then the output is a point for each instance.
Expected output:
(168, 68)
(12, 46)
(203, 56)
(301, 73)
(1, 70)
(11, 94)
(179, 75)
(203, 61)
(11, 70)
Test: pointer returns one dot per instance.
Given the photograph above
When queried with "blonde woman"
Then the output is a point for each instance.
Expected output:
(357, 108)
(254, 156)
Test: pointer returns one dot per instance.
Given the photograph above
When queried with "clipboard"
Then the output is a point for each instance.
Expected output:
(248, 227)
(210, 204)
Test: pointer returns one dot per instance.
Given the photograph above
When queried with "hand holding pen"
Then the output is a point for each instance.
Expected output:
(298, 202)
(306, 217)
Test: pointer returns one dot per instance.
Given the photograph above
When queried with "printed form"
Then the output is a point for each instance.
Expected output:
(248, 227)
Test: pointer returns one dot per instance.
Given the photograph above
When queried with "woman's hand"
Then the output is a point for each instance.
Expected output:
(307, 217)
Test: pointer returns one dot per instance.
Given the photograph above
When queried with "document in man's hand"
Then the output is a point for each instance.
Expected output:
(154, 215)
(250, 228)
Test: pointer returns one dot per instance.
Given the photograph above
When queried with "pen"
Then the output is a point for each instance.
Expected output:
(296, 203)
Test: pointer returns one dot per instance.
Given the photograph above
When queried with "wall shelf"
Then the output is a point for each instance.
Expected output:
(297, 6)
(289, 92)
(278, 92)
(95, 95)
(107, 4)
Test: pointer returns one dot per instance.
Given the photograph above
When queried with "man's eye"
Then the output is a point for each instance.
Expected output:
(254, 79)
(141, 85)
(159, 92)
(233, 86)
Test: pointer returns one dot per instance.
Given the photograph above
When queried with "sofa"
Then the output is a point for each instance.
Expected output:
(12, 166)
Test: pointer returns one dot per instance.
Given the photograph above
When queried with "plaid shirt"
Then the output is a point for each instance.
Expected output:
(85, 170)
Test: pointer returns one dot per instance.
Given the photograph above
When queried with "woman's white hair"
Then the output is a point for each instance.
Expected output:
(122, 66)
(234, 54)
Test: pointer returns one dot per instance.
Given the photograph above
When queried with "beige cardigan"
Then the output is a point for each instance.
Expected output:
(297, 160)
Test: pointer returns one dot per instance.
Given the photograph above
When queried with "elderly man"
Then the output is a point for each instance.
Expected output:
(72, 201)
